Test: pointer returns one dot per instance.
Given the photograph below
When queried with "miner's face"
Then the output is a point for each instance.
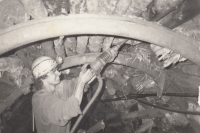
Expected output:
(53, 77)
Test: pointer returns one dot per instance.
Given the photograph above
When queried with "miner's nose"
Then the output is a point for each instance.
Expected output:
(58, 72)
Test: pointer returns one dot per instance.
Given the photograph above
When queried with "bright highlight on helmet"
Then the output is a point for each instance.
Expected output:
(43, 65)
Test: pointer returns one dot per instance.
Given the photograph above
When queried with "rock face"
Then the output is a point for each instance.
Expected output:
(10, 17)
(125, 114)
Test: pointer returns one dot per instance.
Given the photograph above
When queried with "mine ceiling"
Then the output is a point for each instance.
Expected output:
(151, 86)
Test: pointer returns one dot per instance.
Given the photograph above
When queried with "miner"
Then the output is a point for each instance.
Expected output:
(56, 102)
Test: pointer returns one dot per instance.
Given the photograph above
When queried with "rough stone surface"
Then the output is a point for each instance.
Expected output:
(122, 7)
(137, 7)
(108, 6)
(95, 43)
(77, 6)
(70, 45)
(35, 8)
(93, 6)
(82, 43)
(10, 17)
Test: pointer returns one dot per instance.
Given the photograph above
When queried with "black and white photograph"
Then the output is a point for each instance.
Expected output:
(99, 66)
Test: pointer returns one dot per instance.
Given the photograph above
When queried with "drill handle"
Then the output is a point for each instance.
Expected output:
(87, 85)
(84, 68)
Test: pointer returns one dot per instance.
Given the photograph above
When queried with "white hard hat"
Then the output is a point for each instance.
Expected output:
(42, 65)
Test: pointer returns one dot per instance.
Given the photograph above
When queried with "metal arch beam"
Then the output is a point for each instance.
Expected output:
(83, 24)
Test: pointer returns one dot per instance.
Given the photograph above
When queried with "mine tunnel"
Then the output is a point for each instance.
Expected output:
(151, 86)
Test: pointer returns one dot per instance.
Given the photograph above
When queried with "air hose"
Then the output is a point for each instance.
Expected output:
(133, 96)
(88, 105)
(168, 109)
(156, 106)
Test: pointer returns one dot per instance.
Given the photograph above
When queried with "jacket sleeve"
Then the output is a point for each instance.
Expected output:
(69, 86)
(58, 111)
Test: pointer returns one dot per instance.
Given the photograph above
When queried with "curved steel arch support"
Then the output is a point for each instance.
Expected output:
(78, 24)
